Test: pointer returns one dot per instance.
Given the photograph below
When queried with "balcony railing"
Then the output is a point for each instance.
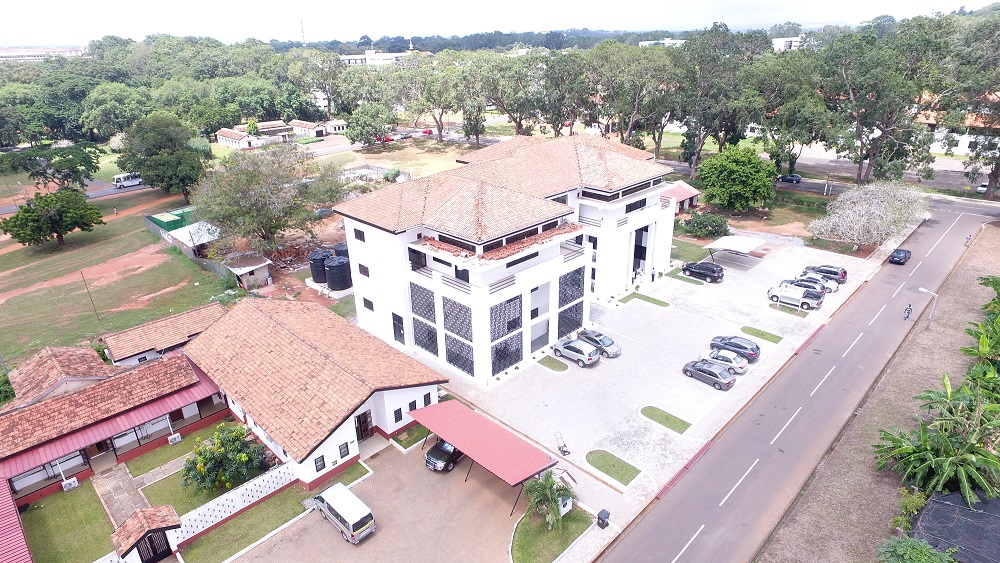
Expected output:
(570, 250)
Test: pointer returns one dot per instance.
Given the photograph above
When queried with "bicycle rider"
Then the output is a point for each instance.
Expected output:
(907, 311)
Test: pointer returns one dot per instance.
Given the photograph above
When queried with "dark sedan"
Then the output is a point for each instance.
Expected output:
(791, 178)
(899, 256)
(746, 348)
(713, 374)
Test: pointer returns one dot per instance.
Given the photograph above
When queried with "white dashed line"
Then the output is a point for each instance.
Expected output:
(674, 560)
(944, 235)
(852, 344)
(876, 315)
(785, 426)
(899, 288)
(740, 481)
(915, 268)
(822, 380)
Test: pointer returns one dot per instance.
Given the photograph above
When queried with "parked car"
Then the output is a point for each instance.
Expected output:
(746, 348)
(806, 283)
(713, 374)
(830, 286)
(728, 359)
(900, 256)
(832, 273)
(427, 132)
(443, 456)
(983, 187)
(406, 135)
(792, 178)
(387, 139)
(604, 343)
(337, 504)
(578, 350)
(705, 270)
(795, 296)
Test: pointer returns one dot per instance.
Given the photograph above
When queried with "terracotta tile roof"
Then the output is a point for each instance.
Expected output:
(303, 124)
(233, 134)
(679, 190)
(504, 188)
(140, 523)
(52, 365)
(508, 250)
(164, 333)
(298, 369)
(38, 423)
(263, 125)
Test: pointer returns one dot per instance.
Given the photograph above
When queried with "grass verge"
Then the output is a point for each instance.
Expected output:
(535, 543)
(345, 307)
(645, 298)
(169, 491)
(149, 461)
(677, 275)
(829, 245)
(762, 334)
(553, 364)
(613, 466)
(237, 533)
(687, 251)
(666, 419)
(411, 436)
(790, 310)
(68, 527)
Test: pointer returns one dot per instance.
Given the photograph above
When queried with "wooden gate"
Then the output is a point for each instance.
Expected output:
(363, 426)
(154, 547)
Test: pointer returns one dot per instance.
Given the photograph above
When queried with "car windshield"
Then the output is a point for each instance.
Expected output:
(446, 446)
(605, 341)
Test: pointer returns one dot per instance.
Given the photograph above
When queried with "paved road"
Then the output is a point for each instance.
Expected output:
(726, 506)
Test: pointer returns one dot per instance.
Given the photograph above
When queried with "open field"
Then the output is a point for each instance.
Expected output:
(68, 527)
(419, 157)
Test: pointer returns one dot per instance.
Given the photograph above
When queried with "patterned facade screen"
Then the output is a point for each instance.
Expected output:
(422, 302)
(459, 354)
(570, 287)
(505, 318)
(457, 318)
(570, 319)
(507, 353)
(425, 336)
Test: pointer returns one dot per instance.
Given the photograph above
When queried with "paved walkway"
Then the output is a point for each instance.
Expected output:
(118, 493)
(161, 472)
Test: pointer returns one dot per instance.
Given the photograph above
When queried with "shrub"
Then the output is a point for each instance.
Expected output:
(909, 550)
(391, 175)
(6, 390)
(229, 460)
(229, 281)
(707, 225)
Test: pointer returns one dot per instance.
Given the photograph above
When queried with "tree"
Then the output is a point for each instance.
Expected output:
(252, 128)
(174, 172)
(315, 70)
(511, 84)
(48, 215)
(258, 196)
(565, 90)
(707, 225)
(229, 460)
(158, 147)
(110, 108)
(871, 213)
(787, 29)
(63, 93)
(440, 87)
(368, 125)
(909, 550)
(738, 178)
(474, 119)
(545, 493)
(67, 167)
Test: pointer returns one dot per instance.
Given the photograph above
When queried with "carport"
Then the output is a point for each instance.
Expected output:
(738, 247)
(500, 451)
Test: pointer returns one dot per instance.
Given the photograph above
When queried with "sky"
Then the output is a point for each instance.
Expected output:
(75, 23)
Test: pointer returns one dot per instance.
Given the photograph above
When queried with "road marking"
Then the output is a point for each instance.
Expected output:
(822, 380)
(674, 560)
(740, 481)
(943, 235)
(915, 269)
(897, 289)
(876, 315)
(785, 426)
(852, 344)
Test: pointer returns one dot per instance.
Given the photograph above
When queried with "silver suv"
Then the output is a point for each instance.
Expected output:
(583, 353)
(796, 296)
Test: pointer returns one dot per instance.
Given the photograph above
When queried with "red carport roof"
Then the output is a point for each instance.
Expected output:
(13, 545)
(500, 451)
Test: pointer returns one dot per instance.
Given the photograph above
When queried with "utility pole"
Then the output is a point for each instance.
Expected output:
(98, 315)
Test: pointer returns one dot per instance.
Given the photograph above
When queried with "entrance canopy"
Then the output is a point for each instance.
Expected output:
(500, 451)
(735, 243)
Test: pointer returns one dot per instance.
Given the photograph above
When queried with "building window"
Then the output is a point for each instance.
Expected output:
(344, 450)
(368, 304)
(425, 336)
(534, 313)
(521, 235)
(321, 463)
(592, 240)
(599, 196)
(507, 353)
(570, 287)
(570, 319)
(455, 242)
(634, 189)
(550, 226)
(422, 302)
(440, 261)
(363, 270)
(397, 415)
(562, 199)
(458, 354)
(505, 318)
(142, 359)
(359, 235)
(462, 274)
(417, 259)
(492, 245)
(457, 318)
(635, 205)
(397, 329)
(413, 406)
(513, 263)
(250, 273)
(427, 399)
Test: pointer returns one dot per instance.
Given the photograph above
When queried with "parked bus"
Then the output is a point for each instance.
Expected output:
(123, 180)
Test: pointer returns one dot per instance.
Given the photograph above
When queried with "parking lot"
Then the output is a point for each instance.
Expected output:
(422, 515)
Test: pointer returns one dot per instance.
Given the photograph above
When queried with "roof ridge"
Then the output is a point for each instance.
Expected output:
(164, 319)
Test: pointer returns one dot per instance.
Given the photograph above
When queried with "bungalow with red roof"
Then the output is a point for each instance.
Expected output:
(307, 128)
(154, 339)
(270, 132)
(481, 266)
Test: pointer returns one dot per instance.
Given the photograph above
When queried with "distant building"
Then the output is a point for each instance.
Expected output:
(34, 54)
(780, 44)
(374, 57)
(667, 42)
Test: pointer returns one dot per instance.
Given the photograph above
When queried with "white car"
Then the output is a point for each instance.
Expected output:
(831, 287)
(583, 353)
(732, 361)
(982, 188)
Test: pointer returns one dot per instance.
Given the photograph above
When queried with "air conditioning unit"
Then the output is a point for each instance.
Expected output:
(174, 439)
(70, 484)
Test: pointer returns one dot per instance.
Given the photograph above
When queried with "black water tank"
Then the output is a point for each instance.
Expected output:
(338, 273)
(316, 260)
(340, 249)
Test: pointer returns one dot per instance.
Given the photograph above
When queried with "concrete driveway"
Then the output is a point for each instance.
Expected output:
(421, 515)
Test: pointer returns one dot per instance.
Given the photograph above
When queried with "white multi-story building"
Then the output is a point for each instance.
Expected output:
(780, 44)
(482, 265)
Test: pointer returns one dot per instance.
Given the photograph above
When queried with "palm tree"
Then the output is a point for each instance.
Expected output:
(545, 493)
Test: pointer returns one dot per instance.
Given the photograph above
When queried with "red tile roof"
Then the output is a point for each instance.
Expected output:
(54, 364)
(503, 453)
(679, 190)
(303, 124)
(164, 333)
(13, 544)
(505, 186)
(23, 428)
(140, 523)
(227, 133)
(264, 125)
(298, 369)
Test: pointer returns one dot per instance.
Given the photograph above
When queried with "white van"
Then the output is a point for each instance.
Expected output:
(796, 296)
(340, 506)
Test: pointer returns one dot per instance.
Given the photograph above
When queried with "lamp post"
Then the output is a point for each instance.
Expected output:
(933, 305)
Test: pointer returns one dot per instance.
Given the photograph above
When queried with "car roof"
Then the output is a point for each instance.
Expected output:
(727, 353)
(345, 502)
(586, 347)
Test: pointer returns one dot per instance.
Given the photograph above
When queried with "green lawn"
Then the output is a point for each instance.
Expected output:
(168, 491)
(162, 455)
(687, 251)
(239, 532)
(761, 334)
(108, 166)
(500, 129)
(831, 245)
(610, 464)
(535, 543)
(645, 298)
(411, 436)
(553, 364)
(666, 419)
(677, 275)
(345, 307)
(68, 527)
(790, 310)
